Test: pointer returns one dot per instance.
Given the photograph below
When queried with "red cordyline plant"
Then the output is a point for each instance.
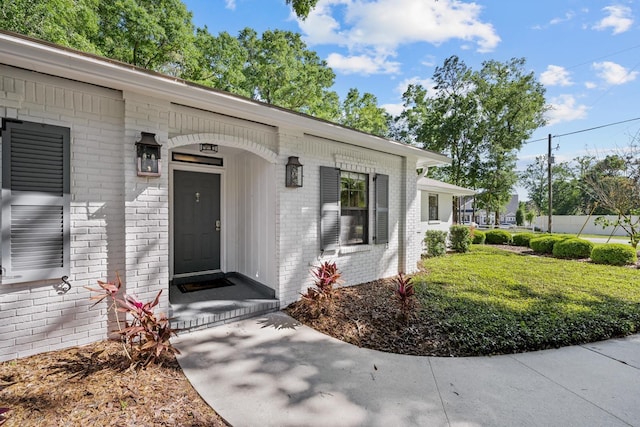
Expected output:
(147, 334)
(405, 295)
(319, 299)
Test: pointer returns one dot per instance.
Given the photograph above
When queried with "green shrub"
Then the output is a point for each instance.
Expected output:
(614, 254)
(478, 237)
(572, 248)
(460, 237)
(544, 245)
(498, 237)
(436, 242)
(522, 239)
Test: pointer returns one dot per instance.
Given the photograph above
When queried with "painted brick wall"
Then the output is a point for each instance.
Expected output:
(34, 317)
(120, 222)
(146, 222)
(299, 213)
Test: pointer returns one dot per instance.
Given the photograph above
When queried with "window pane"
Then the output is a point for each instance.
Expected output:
(433, 207)
(354, 208)
(353, 190)
(353, 227)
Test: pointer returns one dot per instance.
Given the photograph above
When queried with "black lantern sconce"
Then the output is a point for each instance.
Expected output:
(148, 153)
(294, 173)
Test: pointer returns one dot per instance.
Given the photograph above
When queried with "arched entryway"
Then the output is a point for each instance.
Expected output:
(222, 229)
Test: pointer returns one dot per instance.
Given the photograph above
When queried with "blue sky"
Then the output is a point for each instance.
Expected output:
(586, 53)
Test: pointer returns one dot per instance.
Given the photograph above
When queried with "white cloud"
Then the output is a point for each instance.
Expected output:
(619, 19)
(230, 4)
(393, 109)
(564, 109)
(556, 76)
(590, 85)
(614, 74)
(427, 83)
(555, 21)
(384, 25)
(567, 17)
(362, 64)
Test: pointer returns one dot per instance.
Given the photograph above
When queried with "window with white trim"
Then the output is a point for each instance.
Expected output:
(345, 208)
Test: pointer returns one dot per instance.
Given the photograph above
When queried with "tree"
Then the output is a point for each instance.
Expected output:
(445, 121)
(498, 178)
(520, 217)
(479, 119)
(302, 8)
(530, 216)
(276, 68)
(363, 113)
(153, 34)
(71, 23)
(218, 62)
(512, 107)
(566, 184)
(282, 71)
(534, 180)
(614, 182)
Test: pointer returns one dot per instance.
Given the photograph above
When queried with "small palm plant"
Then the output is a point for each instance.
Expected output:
(318, 300)
(147, 335)
(405, 296)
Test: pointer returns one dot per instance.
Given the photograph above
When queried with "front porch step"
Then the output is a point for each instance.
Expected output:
(210, 307)
(206, 314)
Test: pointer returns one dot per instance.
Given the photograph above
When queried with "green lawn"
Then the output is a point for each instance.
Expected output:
(490, 301)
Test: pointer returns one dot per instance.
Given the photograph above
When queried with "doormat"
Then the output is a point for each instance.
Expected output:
(201, 286)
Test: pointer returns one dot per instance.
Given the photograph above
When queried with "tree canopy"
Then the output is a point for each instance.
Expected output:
(480, 119)
(275, 67)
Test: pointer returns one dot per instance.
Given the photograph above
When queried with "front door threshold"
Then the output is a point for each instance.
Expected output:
(196, 278)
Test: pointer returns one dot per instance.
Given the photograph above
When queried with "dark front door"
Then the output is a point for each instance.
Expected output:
(196, 227)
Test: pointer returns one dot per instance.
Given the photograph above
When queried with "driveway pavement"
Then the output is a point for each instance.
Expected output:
(273, 371)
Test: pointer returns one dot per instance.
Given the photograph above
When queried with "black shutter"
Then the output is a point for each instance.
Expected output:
(35, 201)
(329, 208)
(382, 209)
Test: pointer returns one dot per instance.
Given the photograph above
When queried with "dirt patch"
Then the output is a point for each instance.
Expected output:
(92, 386)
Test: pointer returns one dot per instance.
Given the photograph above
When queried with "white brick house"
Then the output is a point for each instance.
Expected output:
(70, 123)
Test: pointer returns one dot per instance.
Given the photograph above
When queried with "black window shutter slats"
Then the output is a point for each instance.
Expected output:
(329, 208)
(382, 209)
(35, 195)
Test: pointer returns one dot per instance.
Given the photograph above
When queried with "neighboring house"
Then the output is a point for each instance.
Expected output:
(87, 193)
(436, 203)
(507, 216)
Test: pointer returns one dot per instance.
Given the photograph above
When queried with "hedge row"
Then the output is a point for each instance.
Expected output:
(561, 246)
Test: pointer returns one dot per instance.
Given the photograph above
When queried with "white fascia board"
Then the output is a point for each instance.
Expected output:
(46, 58)
(429, 184)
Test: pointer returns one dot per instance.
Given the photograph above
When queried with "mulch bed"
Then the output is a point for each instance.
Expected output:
(92, 386)
(364, 315)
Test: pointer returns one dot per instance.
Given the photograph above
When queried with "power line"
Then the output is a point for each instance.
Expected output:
(584, 130)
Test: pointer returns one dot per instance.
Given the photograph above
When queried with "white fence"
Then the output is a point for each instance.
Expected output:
(573, 223)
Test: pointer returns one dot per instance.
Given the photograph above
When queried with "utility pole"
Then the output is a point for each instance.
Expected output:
(549, 163)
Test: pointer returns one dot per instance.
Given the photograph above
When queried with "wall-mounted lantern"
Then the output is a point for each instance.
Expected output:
(148, 153)
(293, 173)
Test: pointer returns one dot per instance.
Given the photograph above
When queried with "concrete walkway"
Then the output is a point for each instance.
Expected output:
(272, 371)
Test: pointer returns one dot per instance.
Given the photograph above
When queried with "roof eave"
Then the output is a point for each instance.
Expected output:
(28, 53)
